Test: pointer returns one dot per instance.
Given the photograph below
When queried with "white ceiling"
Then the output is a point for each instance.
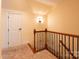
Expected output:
(49, 2)
(44, 9)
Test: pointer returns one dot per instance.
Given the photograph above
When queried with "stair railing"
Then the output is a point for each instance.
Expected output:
(62, 45)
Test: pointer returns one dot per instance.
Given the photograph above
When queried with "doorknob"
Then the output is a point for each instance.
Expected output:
(20, 28)
(8, 43)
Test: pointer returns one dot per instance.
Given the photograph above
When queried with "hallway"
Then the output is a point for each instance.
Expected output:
(19, 19)
(24, 52)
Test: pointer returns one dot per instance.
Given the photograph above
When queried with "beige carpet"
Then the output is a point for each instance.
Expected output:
(44, 55)
(25, 52)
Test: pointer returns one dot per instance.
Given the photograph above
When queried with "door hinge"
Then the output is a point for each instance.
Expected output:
(8, 43)
(8, 17)
(8, 30)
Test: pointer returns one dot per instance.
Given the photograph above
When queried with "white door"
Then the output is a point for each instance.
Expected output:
(14, 29)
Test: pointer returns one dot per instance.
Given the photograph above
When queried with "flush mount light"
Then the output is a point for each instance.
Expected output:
(39, 19)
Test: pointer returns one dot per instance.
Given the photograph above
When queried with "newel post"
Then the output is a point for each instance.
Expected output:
(34, 40)
(46, 38)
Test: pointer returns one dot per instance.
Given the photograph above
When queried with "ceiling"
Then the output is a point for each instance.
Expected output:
(43, 7)
(49, 2)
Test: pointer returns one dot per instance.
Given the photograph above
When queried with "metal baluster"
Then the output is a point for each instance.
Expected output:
(37, 41)
(73, 46)
(77, 47)
(59, 46)
(42, 40)
(69, 46)
(56, 40)
(47, 41)
(65, 44)
(55, 44)
(52, 42)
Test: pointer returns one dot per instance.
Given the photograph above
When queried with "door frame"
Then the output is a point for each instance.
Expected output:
(6, 12)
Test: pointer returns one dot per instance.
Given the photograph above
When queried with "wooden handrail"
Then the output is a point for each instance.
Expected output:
(40, 31)
(58, 33)
(67, 49)
(64, 33)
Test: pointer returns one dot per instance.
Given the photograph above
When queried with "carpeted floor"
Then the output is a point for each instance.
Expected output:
(24, 52)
